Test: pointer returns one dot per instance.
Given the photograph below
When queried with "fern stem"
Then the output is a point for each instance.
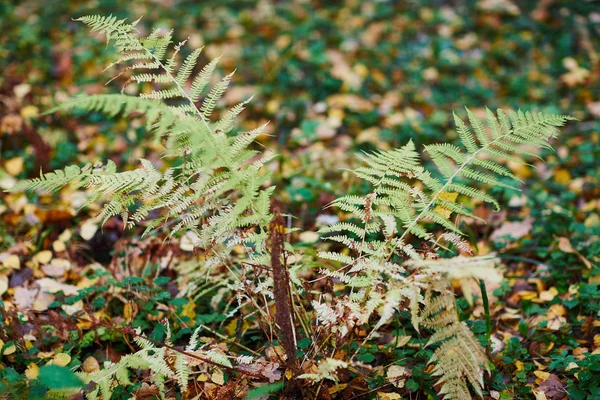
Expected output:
(488, 321)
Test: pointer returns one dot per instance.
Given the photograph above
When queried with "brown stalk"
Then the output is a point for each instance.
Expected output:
(281, 288)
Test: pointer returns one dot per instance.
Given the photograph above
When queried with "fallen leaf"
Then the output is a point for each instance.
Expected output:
(553, 387)
(58, 246)
(9, 350)
(388, 396)
(515, 230)
(14, 166)
(32, 371)
(12, 261)
(24, 298)
(218, 377)
(88, 230)
(61, 359)
(90, 364)
(308, 237)
(43, 257)
(51, 286)
(3, 284)
(564, 244)
(396, 374)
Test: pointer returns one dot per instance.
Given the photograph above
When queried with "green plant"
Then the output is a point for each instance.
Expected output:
(217, 187)
(385, 269)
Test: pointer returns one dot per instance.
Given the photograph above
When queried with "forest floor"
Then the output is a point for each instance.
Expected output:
(333, 80)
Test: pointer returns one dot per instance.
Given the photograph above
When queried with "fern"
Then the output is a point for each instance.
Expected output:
(217, 192)
(407, 203)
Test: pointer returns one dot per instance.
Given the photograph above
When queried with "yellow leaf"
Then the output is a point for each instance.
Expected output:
(129, 311)
(29, 111)
(388, 396)
(218, 377)
(562, 176)
(9, 350)
(32, 371)
(448, 196)
(202, 378)
(43, 257)
(61, 359)
(539, 395)
(548, 295)
(402, 340)
(14, 166)
(65, 236)
(58, 246)
(336, 388)
(12, 262)
(541, 376)
(444, 212)
(3, 284)
(519, 365)
(556, 310)
(571, 366)
(188, 310)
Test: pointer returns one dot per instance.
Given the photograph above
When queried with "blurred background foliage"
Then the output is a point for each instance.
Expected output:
(332, 77)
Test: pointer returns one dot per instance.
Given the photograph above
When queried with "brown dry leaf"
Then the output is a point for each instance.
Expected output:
(71, 309)
(553, 387)
(576, 74)
(24, 298)
(564, 244)
(556, 317)
(90, 364)
(594, 108)
(539, 395)
(308, 237)
(42, 302)
(547, 295)
(57, 267)
(516, 230)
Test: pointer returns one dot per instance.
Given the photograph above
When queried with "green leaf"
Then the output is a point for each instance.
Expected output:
(55, 377)
(411, 384)
(264, 390)
(366, 357)
(303, 343)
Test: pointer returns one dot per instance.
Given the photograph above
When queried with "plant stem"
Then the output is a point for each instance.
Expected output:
(488, 321)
